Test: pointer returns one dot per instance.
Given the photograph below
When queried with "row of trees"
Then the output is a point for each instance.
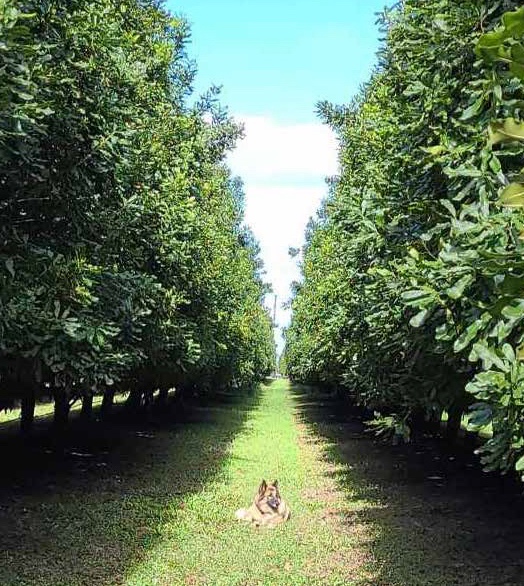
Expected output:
(124, 262)
(413, 294)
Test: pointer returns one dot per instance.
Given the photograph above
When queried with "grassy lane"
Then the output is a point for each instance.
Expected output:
(130, 504)
(84, 513)
(136, 504)
(202, 544)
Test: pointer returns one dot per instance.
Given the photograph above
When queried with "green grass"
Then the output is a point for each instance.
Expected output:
(155, 506)
(201, 543)
(135, 504)
(41, 410)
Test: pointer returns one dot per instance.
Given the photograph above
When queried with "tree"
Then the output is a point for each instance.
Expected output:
(119, 220)
(411, 293)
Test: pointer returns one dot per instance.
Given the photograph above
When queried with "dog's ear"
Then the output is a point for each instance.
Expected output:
(263, 487)
(275, 483)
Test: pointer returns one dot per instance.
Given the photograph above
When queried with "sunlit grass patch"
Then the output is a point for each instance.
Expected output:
(46, 409)
(90, 512)
(157, 507)
(202, 543)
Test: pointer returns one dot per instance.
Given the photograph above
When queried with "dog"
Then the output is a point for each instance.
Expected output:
(268, 509)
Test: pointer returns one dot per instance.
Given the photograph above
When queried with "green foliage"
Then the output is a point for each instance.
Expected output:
(391, 428)
(412, 293)
(122, 259)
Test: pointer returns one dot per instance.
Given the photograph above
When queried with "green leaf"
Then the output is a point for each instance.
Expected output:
(508, 352)
(517, 53)
(512, 196)
(418, 320)
(466, 170)
(441, 23)
(508, 130)
(488, 357)
(413, 253)
(519, 464)
(470, 332)
(517, 70)
(24, 96)
(490, 47)
(458, 288)
(480, 415)
(473, 110)
(514, 22)
(413, 294)
(416, 298)
(514, 311)
(449, 206)
(435, 151)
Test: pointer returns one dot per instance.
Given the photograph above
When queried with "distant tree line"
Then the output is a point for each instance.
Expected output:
(124, 262)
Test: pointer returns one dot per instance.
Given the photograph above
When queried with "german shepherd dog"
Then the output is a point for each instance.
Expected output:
(268, 508)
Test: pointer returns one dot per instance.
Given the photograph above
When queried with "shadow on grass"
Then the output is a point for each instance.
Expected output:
(86, 512)
(434, 518)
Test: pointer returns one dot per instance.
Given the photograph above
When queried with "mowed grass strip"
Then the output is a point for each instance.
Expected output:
(136, 504)
(84, 512)
(202, 543)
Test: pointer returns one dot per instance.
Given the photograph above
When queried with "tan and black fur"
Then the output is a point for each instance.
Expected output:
(268, 508)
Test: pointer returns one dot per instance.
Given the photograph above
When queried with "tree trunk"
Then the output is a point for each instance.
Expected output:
(435, 422)
(163, 393)
(61, 414)
(417, 423)
(87, 407)
(133, 401)
(107, 402)
(28, 411)
(454, 421)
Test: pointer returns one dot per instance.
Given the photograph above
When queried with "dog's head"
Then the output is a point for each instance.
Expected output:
(268, 498)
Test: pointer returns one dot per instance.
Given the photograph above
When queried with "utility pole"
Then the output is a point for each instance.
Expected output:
(275, 330)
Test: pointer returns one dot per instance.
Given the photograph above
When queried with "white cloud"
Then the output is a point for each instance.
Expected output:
(278, 217)
(272, 151)
(283, 167)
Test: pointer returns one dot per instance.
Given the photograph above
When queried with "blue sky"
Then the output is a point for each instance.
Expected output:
(275, 60)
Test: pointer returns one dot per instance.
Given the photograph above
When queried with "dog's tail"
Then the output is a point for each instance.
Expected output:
(242, 515)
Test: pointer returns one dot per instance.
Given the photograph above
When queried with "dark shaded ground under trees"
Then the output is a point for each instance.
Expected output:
(439, 518)
(85, 509)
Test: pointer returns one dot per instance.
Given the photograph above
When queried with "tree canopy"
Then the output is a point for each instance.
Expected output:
(411, 301)
(124, 263)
